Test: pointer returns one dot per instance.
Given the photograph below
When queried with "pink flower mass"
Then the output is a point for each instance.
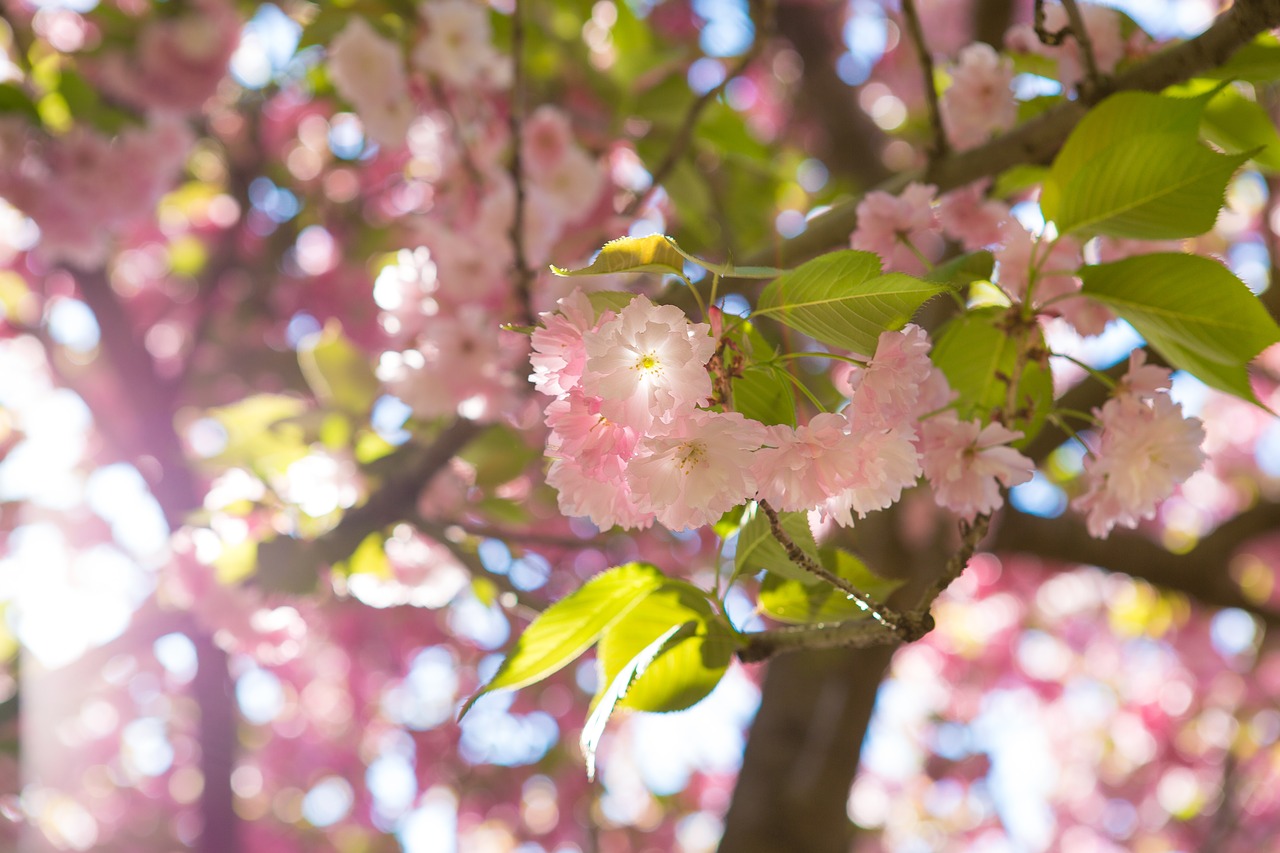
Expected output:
(410, 408)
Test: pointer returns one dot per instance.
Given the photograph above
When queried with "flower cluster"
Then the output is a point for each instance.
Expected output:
(1145, 449)
(632, 441)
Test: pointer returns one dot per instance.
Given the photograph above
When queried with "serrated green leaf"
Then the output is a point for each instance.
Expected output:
(841, 299)
(567, 628)
(1153, 186)
(759, 549)
(593, 730)
(1134, 167)
(687, 669)
(729, 522)
(1110, 123)
(1192, 310)
(654, 253)
(977, 353)
(813, 600)
(763, 394)
(338, 373)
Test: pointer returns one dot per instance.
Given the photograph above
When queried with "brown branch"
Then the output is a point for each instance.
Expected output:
(1200, 573)
(912, 19)
(515, 121)
(1093, 79)
(883, 616)
(1038, 140)
(291, 565)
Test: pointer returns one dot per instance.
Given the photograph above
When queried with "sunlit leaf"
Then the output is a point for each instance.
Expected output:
(688, 669)
(1192, 310)
(567, 628)
(841, 299)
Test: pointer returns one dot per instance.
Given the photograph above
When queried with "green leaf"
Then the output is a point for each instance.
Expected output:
(1018, 178)
(765, 395)
(654, 253)
(960, 272)
(369, 558)
(1134, 167)
(339, 374)
(687, 669)
(977, 353)
(14, 100)
(759, 549)
(1192, 310)
(261, 434)
(592, 731)
(499, 455)
(814, 600)
(657, 253)
(1152, 186)
(610, 300)
(567, 628)
(1236, 123)
(841, 299)
(1257, 62)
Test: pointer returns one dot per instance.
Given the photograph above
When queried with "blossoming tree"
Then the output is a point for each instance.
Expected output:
(401, 404)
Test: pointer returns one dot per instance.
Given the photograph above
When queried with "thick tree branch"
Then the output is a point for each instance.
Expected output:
(291, 565)
(1201, 573)
(1039, 139)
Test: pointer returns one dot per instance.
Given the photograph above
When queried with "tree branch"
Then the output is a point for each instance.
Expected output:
(912, 19)
(1200, 573)
(1038, 140)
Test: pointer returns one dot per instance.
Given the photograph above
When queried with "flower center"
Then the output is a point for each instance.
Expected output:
(690, 455)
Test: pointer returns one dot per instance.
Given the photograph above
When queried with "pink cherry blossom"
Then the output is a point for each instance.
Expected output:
(368, 71)
(648, 364)
(887, 223)
(1143, 381)
(963, 461)
(579, 432)
(805, 466)
(546, 140)
(886, 462)
(1145, 449)
(697, 469)
(979, 101)
(886, 392)
(968, 216)
(559, 355)
(458, 45)
(607, 501)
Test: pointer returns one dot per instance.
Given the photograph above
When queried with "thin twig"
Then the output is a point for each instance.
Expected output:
(684, 136)
(884, 616)
(1092, 76)
(515, 121)
(912, 20)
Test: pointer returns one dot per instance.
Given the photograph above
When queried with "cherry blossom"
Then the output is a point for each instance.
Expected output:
(979, 101)
(963, 460)
(647, 364)
(887, 224)
(1145, 449)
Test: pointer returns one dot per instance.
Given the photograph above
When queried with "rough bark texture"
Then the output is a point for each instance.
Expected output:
(803, 753)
